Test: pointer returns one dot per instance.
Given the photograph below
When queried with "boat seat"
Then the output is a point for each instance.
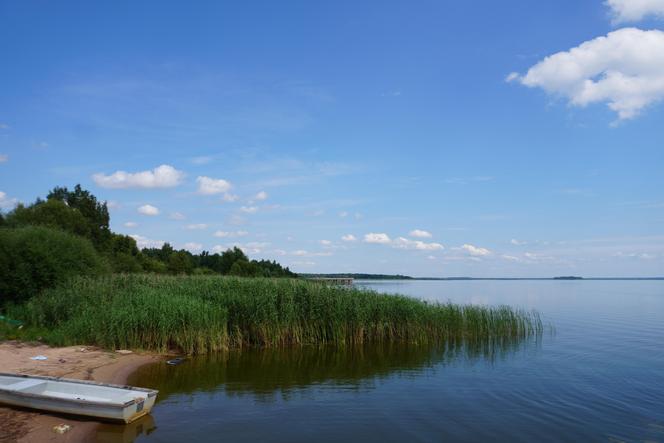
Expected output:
(25, 384)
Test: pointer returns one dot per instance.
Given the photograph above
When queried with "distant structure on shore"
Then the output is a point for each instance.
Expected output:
(568, 277)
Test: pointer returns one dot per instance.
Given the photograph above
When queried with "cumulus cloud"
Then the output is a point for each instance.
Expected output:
(516, 242)
(210, 186)
(4, 158)
(349, 238)
(144, 242)
(326, 242)
(130, 224)
(475, 251)
(634, 10)
(148, 210)
(624, 69)
(404, 243)
(164, 176)
(6, 202)
(261, 196)
(374, 237)
(177, 216)
(196, 226)
(418, 233)
(229, 198)
(230, 234)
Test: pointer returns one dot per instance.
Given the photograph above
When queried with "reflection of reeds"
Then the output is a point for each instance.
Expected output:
(205, 314)
(266, 373)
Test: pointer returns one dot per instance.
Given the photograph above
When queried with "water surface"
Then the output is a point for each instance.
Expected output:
(600, 377)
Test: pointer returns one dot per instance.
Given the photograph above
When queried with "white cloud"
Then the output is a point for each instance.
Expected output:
(148, 210)
(230, 234)
(300, 253)
(217, 249)
(210, 186)
(112, 204)
(177, 216)
(164, 176)
(404, 243)
(326, 242)
(516, 242)
(261, 196)
(475, 251)
(143, 242)
(4, 158)
(511, 258)
(130, 224)
(193, 247)
(343, 214)
(380, 238)
(6, 202)
(229, 198)
(624, 69)
(349, 238)
(249, 209)
(196, 226)
(418, 233)
(635, 10)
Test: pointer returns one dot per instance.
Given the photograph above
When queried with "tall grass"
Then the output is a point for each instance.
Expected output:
(199, 314)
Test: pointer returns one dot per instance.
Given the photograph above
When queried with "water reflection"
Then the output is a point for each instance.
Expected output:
(116, 433)
(276, 373)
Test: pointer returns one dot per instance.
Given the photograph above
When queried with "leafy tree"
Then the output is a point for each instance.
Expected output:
(180, 262)
(34, 258)
(76, 211)
(244, 268)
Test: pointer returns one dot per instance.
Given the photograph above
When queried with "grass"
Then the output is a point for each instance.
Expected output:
(201, 314)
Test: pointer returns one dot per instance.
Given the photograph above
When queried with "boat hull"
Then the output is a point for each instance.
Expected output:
(77, 397)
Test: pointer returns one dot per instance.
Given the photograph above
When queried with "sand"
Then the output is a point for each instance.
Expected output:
(80, 362)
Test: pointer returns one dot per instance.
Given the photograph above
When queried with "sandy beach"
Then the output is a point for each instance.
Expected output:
(80, 362)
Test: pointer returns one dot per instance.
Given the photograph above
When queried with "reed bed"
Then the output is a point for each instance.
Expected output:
(201, 314)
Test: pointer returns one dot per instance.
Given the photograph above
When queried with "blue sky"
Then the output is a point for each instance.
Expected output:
(484, 139)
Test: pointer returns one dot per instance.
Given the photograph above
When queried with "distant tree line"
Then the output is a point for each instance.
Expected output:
(68, 233)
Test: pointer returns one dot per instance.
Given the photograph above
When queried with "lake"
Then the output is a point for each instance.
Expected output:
(597, 375)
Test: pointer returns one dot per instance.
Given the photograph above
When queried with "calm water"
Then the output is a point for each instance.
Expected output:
(599, 377)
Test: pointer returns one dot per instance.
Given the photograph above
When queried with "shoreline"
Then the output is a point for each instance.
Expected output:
(77, 362)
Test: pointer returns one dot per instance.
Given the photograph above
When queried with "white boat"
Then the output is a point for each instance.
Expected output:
(79, 397)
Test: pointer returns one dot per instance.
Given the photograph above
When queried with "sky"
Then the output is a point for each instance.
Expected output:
(432, 138)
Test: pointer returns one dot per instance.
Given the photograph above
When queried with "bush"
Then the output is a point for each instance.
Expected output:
(34, 258)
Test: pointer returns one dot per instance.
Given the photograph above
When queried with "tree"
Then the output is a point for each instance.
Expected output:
(76, 211)
(180, 262)
(34, 258)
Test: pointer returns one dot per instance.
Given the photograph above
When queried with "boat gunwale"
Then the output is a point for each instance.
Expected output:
(150, 392)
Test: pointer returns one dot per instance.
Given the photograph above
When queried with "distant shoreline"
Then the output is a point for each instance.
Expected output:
(362, 276)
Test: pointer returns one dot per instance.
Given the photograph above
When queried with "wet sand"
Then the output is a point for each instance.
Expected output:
(80, 362)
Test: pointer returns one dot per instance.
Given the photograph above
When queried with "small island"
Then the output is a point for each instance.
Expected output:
(568, 277)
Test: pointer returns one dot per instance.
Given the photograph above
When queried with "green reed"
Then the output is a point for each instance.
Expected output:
(200, 314)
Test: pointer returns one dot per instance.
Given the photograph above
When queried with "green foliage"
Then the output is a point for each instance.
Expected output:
(76, 211)
(34, 258)
(180, 262)
(199, 314)
(245, 268)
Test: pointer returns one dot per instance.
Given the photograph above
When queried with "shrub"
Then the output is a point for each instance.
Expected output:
(34, 258)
